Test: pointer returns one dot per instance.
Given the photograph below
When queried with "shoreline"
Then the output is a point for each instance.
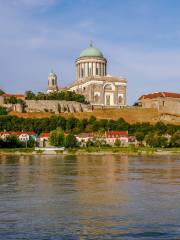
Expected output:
(95, 151)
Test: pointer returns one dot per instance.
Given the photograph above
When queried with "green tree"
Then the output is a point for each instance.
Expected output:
(12, 100)
(57, 138)
(117, 143)
(12, 141)
(175, 140)
(31, 143)
(1, 92)
(30, 95)
(3, 111)
(154, 140)
(140, 137)
(70, 141)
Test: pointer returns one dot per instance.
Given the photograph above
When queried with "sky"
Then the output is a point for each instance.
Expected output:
(139, 38)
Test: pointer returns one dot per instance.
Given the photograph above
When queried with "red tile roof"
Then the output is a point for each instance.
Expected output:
(45, 134)
(160, 94)
(13, 95)
(113, 134)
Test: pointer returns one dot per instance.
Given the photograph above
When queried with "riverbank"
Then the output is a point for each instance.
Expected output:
(131, 151)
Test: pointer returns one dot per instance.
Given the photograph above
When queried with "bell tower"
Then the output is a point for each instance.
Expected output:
(52, 82)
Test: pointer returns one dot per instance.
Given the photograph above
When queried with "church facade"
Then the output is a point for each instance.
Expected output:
(99, 88)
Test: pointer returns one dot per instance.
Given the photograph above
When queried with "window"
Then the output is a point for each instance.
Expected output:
(108, 100)
(96, 98)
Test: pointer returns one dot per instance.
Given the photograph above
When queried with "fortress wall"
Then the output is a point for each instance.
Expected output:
(164, 105)
(56, 106)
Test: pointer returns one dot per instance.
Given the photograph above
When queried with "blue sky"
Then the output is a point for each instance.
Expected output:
(140, 39)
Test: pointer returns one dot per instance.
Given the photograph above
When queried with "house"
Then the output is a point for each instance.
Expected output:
(111, 137)
(132, 140)
(43, 140)
(166, 102)
(22, 136)
(17, 96)
(83, 138)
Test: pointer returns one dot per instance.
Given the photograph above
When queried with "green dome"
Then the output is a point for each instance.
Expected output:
(91, 52)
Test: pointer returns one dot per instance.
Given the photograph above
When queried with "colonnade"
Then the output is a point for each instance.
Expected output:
(87, 69)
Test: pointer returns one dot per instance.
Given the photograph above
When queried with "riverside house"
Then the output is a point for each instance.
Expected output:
(43, 140)
(107, 137)
(122, 136)
(22, 136)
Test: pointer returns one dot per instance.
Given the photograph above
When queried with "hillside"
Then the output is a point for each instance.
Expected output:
(131, 115)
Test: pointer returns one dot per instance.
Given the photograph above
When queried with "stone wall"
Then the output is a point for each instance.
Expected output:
(164, 105)
(56, 106)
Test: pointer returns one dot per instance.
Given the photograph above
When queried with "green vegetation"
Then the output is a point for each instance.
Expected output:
(63, 95)
(155, 135)
(58, 139)
(13, 100)
(12, 141)
(70, 141)
(3, 111)
(1, 92)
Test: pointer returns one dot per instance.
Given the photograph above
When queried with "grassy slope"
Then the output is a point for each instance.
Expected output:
(130, 115)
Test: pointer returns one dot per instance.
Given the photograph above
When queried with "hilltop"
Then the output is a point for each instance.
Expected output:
(131, 115)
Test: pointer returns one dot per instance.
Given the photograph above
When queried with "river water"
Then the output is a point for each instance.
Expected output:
(89, 197)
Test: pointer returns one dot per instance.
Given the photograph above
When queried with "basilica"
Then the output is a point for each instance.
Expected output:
(99, 88)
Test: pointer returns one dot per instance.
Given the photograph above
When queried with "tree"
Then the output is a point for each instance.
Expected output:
(30, 95)
(140, 137)
(175, 140)
(57, 138)
(12, 100)
(12, 141)
(154, 140)
(31, 143)
(1, 92)
(70, 141)
(117, 143)
(3, 111)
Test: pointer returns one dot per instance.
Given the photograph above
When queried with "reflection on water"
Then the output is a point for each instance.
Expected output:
(89, 197)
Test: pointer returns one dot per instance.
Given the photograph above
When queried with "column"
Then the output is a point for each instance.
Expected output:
(99, 69)
(90, 68)
(76, 72)
(104, 69)
(94, 69)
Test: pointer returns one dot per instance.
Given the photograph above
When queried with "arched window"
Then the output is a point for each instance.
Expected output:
(108, 87)
(96, 98)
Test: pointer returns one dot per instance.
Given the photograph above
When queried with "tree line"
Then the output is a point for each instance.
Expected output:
(75, 126)
(62, 95)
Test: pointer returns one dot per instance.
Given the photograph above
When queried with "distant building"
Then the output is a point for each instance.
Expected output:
(6, 96)
(111, 137)
(52, 82)
(106, 137)
(166, 102)
(92, 80)
(43, 140)
(22, 136)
